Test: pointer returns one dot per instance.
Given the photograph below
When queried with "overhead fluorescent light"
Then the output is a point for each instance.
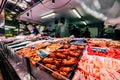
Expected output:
(13, 12)
(11, 27)
(48, 15)
(76, 13)
(84, 23)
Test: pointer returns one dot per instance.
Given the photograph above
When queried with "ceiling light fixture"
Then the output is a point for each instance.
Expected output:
(48, 15)
(76, 13)
(84, 23)
(13, 12)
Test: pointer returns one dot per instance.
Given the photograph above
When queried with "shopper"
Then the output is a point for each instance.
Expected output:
(62, 27)
(57, 29)
(74, 31)
(87, 33)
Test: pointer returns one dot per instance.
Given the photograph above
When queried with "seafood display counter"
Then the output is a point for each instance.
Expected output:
(57, 58)
(66, 59)
(100, 61)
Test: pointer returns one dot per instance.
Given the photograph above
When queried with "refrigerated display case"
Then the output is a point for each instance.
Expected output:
(46, 58)
(75, 59)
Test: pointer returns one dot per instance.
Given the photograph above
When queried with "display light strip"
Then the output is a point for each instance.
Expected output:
(76, 13)
(48, 15)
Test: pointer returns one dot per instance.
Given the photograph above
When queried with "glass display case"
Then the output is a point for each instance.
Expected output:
(64, 59)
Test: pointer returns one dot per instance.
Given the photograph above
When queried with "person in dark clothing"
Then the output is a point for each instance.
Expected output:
(117, 34)
(74, 31)
(87, 33)
(35, 31)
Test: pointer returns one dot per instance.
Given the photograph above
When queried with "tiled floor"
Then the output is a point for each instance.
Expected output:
(1, 78)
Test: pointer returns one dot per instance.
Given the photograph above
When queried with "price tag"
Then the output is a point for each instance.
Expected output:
(42, 53)
(99, 49)
(78, 42)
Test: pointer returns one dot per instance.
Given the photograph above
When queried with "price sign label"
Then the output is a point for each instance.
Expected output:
(42, 53)
(99, 49)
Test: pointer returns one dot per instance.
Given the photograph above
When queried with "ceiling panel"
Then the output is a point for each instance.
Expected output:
(35, 13)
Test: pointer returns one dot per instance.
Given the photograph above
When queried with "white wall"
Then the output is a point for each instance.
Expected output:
(93, 31)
